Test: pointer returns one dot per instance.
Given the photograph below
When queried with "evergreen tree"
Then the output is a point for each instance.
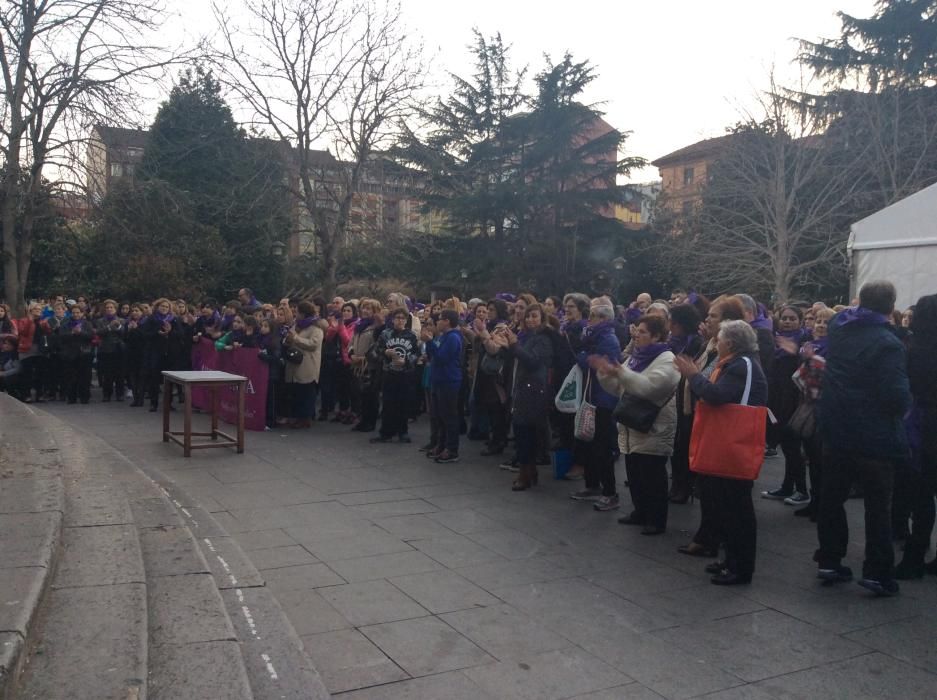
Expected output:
(881, 103)
(235, 185)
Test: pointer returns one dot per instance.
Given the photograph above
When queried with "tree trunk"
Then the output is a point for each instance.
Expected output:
(12, 285)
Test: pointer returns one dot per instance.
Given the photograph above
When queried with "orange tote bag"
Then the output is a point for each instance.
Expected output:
(729, 440)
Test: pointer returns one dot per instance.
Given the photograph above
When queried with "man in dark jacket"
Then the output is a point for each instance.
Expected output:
(865, 397)
(445, 380)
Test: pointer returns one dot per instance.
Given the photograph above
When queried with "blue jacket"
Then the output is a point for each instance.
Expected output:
(446, 360)
(599, 340)
(866, 392)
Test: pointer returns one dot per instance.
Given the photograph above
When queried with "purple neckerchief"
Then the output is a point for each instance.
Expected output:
(762, 320)
(364, 324)
(860, 316)
(73, 323)
(679, 343)
(641, 358)
(110, 317)
(692, 298)
(163, 318)
(350, 322)
(819, 345)
(567, 326)
(212, 320)
(798, 335)
(632, 315)
(226, 321)
(304, 323)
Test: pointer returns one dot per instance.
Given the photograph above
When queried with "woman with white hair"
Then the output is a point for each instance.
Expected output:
(736, 367)
(599, 340)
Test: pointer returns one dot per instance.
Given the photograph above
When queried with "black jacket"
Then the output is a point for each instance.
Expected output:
(111, 335)
(74, 345)
(866, 392)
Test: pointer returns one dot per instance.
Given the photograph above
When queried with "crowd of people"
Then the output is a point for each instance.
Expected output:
(851, 394)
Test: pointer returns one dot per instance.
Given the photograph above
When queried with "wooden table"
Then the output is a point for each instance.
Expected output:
(213, 381)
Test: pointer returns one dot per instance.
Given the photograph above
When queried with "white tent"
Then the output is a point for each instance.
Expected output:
(899, 244)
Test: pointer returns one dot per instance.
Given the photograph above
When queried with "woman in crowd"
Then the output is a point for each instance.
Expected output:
(783, 397)
(737, 366)
(75, 336)
(366, 364)
(922, 433)
(110, 330)
(160, 333)
(809, 379)
(705, 542)
(33, 348)
(270, 354)
(54, 384)
(650, 375)
(135, 343)
(532, 352)
(684, 340)
(340, 332)
(398, 349)
(6, 321)
(9, 363)
(575, 315)
(306, 336)
(553, 306)
(491, 390)
(599, 339)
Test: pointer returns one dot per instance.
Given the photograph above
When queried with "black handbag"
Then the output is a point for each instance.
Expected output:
(292, 355)
(636, 413)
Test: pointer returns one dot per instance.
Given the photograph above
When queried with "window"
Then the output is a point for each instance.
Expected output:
(117, 170)
(687, 176)
(688, 209)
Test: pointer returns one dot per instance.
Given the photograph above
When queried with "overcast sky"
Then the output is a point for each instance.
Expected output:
(670, 71)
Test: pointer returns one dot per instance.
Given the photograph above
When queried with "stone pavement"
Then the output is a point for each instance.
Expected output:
(408, 579)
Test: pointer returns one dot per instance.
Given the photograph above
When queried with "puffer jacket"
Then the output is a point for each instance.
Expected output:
(657, 383)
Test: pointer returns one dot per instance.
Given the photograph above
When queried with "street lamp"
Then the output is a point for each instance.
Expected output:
(619, 264)
(463, 273)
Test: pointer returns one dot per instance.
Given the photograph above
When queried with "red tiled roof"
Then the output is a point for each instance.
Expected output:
(694, 151)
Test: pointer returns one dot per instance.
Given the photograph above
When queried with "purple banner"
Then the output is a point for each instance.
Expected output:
(241, 361)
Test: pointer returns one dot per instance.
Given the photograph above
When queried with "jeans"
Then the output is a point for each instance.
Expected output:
(876, 477)
(445, 398)
(647, 481)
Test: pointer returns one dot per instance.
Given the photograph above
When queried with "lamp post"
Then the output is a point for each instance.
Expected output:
(463, 274)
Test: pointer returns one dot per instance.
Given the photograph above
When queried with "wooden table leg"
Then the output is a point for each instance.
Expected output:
(167, 393)
(215, 409)
(187, 428)
(241, 387)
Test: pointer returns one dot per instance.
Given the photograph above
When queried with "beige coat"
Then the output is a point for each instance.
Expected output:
(309, 340)
(656, 383)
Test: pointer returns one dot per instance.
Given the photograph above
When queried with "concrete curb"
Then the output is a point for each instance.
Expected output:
(233, 627)
(32, 503)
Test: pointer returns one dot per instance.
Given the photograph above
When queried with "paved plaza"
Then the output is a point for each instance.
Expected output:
(410, 579)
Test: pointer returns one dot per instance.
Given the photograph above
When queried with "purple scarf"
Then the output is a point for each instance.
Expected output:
(73, 323)
(762, 320)
(641, 358)
(798, 335)
(566, 326)
(109, 317)
(212, 320)
(226, 322)
(859, 316)
(304, 323)
(163, 318)
(632, 315)
(364, 324)
(819, 345)
(679, 343)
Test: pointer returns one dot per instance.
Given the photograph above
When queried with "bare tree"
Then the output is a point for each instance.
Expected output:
(323, 73)
(65, 64)
(774, 214)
